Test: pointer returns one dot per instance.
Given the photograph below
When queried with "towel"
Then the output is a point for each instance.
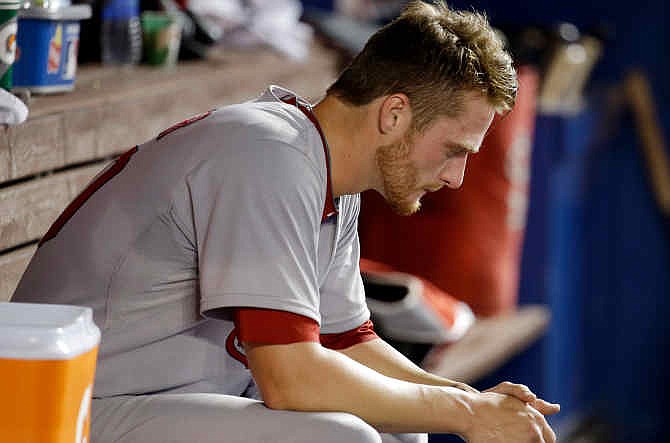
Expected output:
(12, 110)
(411, 309)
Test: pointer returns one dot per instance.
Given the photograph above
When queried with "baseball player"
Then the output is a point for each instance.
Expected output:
(221, 258)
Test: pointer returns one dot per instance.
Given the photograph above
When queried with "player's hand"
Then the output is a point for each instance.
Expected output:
(463, 387)
(523, 393)
(501, 418)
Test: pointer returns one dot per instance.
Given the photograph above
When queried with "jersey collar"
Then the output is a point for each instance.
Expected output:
(329, 209)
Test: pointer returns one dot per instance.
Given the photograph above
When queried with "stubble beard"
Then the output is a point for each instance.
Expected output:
(400, 177)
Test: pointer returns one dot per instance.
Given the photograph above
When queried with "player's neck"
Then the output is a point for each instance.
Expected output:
(350, 139)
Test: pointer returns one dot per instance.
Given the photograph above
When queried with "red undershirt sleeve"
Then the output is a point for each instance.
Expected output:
(272, 327)
(269, 326)
(343, 340)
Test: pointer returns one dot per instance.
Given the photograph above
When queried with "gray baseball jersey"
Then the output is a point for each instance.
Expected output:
(222, 211)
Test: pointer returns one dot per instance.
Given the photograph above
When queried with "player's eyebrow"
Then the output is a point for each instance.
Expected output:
(460, 148)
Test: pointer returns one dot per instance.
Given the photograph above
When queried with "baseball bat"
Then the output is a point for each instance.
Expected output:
(640, 99)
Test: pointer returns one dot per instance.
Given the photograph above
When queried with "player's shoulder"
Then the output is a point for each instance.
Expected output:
(266, 116)
(269, 122)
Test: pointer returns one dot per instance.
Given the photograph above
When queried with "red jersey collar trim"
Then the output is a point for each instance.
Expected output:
(329, 208)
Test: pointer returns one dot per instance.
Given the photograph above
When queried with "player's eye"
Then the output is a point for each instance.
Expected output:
(453, 152)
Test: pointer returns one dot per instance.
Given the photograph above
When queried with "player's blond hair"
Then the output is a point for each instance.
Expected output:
(433, 55)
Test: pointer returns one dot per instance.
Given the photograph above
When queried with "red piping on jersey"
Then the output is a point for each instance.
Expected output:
(107, 175)
(329, 208)
(182, 124)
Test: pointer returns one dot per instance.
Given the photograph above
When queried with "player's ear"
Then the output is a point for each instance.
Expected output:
(395, 115)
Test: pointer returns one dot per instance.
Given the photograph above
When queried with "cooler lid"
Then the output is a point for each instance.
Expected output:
(74, 12)
(43, 3)
(46, 332)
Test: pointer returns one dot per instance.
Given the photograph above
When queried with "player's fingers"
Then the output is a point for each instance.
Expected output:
(465, 387)
(545, 408)
(548, 434)
(522, 392)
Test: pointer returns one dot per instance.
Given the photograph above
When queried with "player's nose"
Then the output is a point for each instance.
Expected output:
(454, 170)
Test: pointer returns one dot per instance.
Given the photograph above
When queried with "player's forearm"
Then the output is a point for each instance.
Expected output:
(324, 380)
(383, 358)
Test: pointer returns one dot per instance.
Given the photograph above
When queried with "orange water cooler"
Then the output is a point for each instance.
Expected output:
(47, 364)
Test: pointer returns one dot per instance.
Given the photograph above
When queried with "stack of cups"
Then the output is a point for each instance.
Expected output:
(161, 32)
(8, 28)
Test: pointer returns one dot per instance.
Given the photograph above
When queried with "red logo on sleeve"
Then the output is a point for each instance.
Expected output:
(235, 349)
